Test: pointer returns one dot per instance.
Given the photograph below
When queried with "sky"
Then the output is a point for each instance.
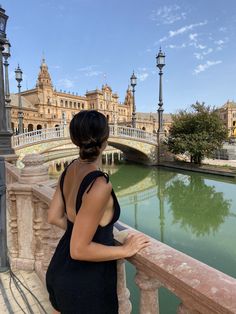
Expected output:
(87, 43)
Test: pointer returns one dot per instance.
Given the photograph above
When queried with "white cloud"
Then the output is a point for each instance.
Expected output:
(142, 76)
(90, 70)
(182, 30)
(219, 42)
(93, 73)
(205, 66)
(200, 55)
(168, 15)
(222, 29)
(193, 37)
(171, 46)
(66, 83)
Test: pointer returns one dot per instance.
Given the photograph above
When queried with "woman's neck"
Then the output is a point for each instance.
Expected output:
(95, 163)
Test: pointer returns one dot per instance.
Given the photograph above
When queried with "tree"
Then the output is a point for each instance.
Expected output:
(196, 205)
(197, 132)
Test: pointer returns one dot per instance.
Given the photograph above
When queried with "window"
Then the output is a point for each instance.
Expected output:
(48, 110)
(66, 103)
(82, 105)
(74, 104)
(78, 104)
(70, 104)
(61, 102)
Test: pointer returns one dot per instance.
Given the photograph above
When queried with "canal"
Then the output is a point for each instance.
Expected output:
(191, 212)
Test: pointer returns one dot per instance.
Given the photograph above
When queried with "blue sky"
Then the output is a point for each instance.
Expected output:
(89, 42)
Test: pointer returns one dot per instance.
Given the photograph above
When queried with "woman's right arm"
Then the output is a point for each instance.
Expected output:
(87, 220)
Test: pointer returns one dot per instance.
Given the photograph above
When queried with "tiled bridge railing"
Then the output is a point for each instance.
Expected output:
(200, 288)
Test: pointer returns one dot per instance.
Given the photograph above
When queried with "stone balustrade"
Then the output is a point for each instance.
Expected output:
(32, 241)
(62, 131)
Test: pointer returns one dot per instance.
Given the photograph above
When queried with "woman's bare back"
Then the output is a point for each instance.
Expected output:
(73, 178)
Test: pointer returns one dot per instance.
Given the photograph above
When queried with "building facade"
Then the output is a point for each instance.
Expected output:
(228, 115)
(45, 107)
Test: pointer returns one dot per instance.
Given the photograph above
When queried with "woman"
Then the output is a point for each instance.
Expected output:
(81, 277)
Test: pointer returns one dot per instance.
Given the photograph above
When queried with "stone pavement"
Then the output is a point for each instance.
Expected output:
(8, 291)
(220, 162)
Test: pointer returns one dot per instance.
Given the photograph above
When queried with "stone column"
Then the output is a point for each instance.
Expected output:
(149, 303)
(125, 305)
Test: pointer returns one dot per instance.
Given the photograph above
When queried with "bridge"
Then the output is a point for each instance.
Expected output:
(137, 145)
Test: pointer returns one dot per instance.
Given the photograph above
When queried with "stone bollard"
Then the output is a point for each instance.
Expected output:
(21, 212)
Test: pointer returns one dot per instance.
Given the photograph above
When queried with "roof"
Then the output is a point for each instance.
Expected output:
(24, 101)
(151, 115)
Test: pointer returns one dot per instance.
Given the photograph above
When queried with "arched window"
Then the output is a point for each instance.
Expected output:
(30, 127)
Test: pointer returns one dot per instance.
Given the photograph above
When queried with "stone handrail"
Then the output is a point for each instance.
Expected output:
(201, 288)
(62, 131)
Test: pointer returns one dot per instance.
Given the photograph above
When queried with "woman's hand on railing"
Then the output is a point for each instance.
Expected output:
(135, 242)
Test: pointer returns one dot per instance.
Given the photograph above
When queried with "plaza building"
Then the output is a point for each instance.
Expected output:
(228, 115)
(45, 107)
(149, 122)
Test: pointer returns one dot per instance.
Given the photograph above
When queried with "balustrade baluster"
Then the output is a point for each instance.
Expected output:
(39, 220)
(12, 211)
(149, 303)
(123, 293)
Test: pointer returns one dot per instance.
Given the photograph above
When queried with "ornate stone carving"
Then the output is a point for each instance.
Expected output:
(34, 171)
(148, 293)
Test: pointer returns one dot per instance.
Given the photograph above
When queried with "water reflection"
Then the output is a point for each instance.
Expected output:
(197, 206)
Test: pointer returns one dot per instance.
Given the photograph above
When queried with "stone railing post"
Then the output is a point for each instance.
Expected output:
(22, 213)
(149, 303)
(123, 293)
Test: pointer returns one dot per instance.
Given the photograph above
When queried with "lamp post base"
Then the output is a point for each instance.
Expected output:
(4, 269)
(5, 143)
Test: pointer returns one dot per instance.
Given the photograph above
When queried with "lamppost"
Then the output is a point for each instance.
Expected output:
(5, 149)
(6, 54)
(133, 83)
(160, 58)
(18, 73)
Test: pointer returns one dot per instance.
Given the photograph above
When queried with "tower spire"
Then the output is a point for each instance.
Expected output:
(44, 78)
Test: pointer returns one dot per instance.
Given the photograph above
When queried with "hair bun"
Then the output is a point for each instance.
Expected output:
(91, 144)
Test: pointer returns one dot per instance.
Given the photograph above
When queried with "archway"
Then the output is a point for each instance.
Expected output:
(30, 127)
(39, 126)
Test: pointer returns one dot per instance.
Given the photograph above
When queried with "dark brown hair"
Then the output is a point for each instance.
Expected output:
(88, 130)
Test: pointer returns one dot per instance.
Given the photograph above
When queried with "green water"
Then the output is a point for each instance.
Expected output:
(191, 212)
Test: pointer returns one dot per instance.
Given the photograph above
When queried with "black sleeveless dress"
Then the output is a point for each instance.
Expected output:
(81, 287)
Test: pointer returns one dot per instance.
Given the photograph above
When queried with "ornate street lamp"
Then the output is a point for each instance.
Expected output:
(133, 83)
(19, 73)
(6, 54)
(160, 58)
(160, 64)
(3, 23)
(5, 149)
